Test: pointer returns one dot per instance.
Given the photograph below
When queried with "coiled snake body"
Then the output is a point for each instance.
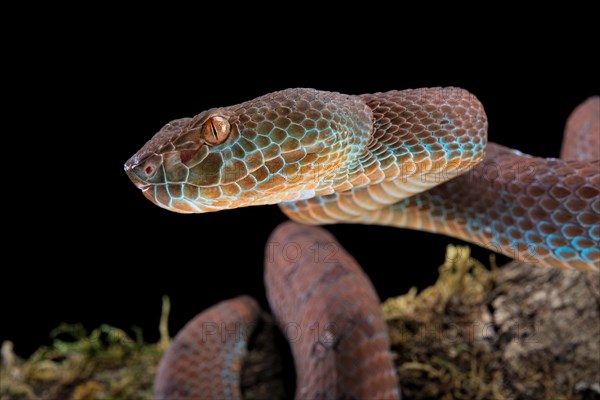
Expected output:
(382, 159)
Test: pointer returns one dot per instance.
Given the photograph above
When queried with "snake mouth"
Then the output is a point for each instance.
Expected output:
(146, 188)
(148, 192)
(137, 181)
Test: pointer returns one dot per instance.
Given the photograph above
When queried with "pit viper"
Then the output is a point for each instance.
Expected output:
(415, 159)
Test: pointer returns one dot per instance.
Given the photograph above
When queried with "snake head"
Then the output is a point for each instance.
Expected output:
(162, 167)
(278, 147)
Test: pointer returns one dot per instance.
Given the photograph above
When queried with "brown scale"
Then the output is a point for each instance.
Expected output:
(397, 163)
(329, 308)
(526, 202)
(192, 367)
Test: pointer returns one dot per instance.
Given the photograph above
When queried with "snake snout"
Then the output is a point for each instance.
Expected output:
(145, 172)
(131, 173)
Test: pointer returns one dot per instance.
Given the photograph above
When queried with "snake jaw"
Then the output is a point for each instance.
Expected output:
(130, 170)
(147, 191)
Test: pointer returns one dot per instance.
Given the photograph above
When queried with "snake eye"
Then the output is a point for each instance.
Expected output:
(215, 130)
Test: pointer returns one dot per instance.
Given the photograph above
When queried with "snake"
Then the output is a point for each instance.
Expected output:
(416, 159)
(325, 305)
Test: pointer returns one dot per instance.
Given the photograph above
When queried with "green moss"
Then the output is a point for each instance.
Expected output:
(103, 364)
(440, 350)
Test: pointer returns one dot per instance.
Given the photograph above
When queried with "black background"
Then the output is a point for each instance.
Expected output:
(86, 246)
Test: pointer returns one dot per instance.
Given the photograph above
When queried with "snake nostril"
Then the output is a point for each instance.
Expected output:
(148, 169)
(141, 174)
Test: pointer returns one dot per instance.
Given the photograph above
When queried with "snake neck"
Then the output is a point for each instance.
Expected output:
(420, 138)
(426, 136)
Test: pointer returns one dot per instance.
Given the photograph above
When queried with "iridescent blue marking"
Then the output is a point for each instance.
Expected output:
(577, 243)
(512, 232)
(565, 253)
(565, 229)
(171, 196)
(592, 255)
(228, 373)
(532, 237)
(550, 238)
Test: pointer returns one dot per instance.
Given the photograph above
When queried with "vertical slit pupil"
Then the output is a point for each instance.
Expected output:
(214, 130)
